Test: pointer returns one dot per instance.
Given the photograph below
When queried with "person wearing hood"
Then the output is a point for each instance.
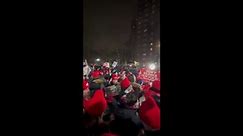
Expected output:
(112, 95)
(128, 102)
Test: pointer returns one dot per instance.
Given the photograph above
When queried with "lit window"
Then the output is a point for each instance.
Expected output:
(145, 30)
(144, 54)
(151, 49)
(151, 43)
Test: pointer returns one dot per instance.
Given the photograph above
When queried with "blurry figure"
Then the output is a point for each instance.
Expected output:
(96, 105)
(131, 77)
(114, 79)
(156, 86)
(149, 113)
(86, 91)
(86, 68)
(114, 101)
(153, 91)
(125, 83)
(95, 74)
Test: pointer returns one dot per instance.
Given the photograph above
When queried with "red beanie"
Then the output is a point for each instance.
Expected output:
(96, 105)
(85, 85)
(114, 77)
(125, 83)
(150, 113)
(95, 74)
(156, 84)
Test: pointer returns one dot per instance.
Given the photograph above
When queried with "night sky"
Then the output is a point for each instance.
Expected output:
(107, 25)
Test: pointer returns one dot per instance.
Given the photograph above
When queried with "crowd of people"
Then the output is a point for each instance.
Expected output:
(117, 103)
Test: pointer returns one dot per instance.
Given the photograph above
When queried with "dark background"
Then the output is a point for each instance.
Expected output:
(107, 26)
(42, 51)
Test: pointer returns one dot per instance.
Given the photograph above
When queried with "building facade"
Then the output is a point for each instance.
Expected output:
(145, 35)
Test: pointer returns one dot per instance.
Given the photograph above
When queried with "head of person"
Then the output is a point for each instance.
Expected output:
(122, 75)
(125, 83)
(114, 78)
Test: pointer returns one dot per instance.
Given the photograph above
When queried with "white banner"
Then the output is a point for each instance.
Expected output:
(86, 69)
(114, 64)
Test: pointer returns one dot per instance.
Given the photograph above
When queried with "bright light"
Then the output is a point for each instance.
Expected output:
(98, 59)
(152, 66)
(136, 63)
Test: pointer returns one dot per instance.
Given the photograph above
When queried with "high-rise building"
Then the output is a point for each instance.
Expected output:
(145, 35)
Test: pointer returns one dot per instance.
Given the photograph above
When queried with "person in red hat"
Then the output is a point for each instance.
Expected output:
(149, 113)
(126, 88)
(128, 105)
(96, 105)
(95, 74)
(153, 91)
(97, 81)
(114, 79)
(125, 83)
(114, 89)
(112, 94)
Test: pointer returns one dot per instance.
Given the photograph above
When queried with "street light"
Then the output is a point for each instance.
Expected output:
(152, 66)
(98, 59)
